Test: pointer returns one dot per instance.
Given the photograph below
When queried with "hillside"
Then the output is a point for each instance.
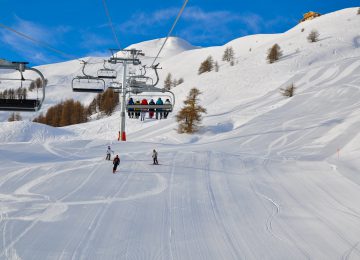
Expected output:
(267, 177)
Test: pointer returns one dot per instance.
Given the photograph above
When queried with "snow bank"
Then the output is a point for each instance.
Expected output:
(31, 132)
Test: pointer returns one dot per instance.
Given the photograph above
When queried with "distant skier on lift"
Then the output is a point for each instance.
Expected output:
(116, 163)
(154, 156)
(108, 153)
(143, 111)
(151, 110)
(159, 110)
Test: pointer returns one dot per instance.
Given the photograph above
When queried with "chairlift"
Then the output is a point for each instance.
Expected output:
(115, 86)
(160, 93)
(87, 83)
(146, 108)
(143, 84)
(19, 102)
(106, 73)
(139, 83)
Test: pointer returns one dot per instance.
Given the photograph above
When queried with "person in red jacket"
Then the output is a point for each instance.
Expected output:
(143, 111)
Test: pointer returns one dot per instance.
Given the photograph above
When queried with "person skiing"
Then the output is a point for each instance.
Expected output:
(154, 156)
(151, 110)
(159, 110)
(108, 153)
(143, 110)
(116, 163)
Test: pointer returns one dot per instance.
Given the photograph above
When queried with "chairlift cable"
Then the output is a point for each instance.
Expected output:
(43, 44)
(111, 24)
(171, 30)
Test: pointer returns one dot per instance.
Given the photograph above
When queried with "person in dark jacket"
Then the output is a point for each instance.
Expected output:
(159, 110)
(116, 163)
(131, 110)
(154, 156)
(151, 110)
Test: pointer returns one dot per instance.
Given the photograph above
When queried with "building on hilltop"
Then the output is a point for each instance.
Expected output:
(309, 16)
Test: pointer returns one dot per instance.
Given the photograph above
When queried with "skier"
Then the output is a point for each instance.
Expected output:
(159, 110)
(151, 110)
(108, 153)
(143, 111)
(154, 156)
(116, 163)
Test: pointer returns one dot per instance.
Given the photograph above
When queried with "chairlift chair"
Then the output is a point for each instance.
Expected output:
(162, 93)
(106, 73)
(86, 83)
(21, 103)
(137, 84)
(143, 84)
(115, 86)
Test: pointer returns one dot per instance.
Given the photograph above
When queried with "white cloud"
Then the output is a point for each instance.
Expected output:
(31, 50)
(93, 40)
(199, 25)
(141, 22)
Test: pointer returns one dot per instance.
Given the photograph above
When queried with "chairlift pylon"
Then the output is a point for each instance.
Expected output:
(87, 83)
(20, 102)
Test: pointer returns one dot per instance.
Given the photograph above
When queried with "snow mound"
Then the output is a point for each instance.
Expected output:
(31, 132)
(173, 46)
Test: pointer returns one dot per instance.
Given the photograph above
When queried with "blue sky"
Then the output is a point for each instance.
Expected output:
(80, 27)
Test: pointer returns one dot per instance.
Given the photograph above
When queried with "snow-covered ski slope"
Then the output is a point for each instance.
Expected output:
(266, 178)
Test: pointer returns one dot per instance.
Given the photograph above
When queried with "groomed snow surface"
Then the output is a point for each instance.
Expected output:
(266, 178)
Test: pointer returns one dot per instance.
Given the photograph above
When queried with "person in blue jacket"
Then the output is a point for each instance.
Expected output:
(131, 110)
(159, 110)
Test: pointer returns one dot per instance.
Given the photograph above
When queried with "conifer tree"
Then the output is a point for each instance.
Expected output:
(174, 83)
(313, 36)
(11, 117)
(289, 91)
(168, 81)
(180, 81)
(18, 116)
(65, 113)
(216, 66)
(274, 53)
(206, 66)
(189, 117)
(229, 55)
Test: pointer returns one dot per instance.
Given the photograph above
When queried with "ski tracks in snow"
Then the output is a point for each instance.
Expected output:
(80, 251)
(349, 252)
(170, 188)
(216, 212)
(25, 190)
(319, 217)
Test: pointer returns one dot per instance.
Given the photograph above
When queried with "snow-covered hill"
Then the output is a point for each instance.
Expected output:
(267, 177)
(173, 46)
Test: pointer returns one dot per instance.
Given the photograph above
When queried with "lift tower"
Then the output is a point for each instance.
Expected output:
(130, 57)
